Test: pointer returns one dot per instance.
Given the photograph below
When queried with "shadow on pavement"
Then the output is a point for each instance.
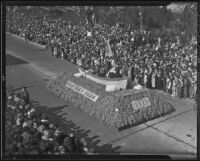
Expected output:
(36, 50)
(11, 60)
(12, 88)
(54, 114)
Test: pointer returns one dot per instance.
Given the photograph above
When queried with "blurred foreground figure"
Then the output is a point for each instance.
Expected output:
(24, 95)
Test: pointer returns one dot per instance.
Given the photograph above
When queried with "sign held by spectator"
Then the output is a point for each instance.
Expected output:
(89, 33)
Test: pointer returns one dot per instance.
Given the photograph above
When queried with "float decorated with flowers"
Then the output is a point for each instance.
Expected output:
(118, 108)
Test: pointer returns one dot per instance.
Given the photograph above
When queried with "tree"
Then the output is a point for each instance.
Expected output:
(188, 19)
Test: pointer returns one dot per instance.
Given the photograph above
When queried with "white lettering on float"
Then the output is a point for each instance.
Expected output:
(138, 104)
(82, 91)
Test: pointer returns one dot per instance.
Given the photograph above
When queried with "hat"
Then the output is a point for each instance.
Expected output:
(71, 135)
(46, 132)
(30, 123)
(41, 128)
(25, 124)
(9, 97)
(85, 149)
(24, 87)
(35, 125)
(27, 106)
(32, 110)
(52, 126)
(82, 140)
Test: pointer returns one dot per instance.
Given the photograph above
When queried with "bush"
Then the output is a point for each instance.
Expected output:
(113, 108)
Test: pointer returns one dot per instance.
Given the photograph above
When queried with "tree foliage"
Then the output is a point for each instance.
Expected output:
(153, 17)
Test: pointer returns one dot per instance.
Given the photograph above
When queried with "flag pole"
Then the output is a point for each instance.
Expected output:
(141, 17)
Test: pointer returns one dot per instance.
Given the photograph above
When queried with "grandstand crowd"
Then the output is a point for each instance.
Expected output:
(157, 61)
(29, 131)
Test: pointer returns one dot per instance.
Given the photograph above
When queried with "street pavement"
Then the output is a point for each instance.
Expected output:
(174, 134)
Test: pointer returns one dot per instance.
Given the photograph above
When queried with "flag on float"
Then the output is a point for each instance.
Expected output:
(109, 53)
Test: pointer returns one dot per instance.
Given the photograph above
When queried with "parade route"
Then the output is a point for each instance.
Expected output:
(174, 134)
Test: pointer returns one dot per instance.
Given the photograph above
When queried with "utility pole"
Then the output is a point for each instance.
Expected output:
(141, 17)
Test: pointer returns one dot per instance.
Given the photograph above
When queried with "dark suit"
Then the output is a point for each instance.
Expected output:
(25, 96)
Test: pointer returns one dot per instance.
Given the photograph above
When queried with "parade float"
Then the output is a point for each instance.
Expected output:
(118, 108)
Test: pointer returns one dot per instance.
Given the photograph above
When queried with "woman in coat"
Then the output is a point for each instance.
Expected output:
(185, 87)
(193, 94)
(164, 84)
(135, 82)
(145, 79)
(159, 81)
(191, 87)
(149, 75)
(55, 51)
(174, 85)
(153, 80)
(129, 76)
(179, 87)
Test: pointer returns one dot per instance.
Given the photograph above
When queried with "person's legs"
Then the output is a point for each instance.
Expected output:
(192, 94)
(190, 91)
(167, 90)
(173, 91)
(194, 91)
(176, 91)
(185, 92)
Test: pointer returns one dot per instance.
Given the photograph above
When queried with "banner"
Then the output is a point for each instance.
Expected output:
(116, 83)
(82, 91)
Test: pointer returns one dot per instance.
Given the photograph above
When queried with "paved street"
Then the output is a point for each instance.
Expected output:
(173, 134)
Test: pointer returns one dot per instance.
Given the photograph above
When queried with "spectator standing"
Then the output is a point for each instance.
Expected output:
(195, 86)
(153, 79)
(159, 80)
(191, 88)
(164, 79)
(179, 87)
(149, 83)
(185, 87)
(174, 86)
(24, 95)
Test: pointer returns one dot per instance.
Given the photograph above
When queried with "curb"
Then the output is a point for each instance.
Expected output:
(23, 39)
(31, 63)
(34, 66)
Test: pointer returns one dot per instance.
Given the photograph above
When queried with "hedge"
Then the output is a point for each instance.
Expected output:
(104, 108)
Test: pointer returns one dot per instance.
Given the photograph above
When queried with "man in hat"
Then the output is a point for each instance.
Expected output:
(71, 142)
(25, 95)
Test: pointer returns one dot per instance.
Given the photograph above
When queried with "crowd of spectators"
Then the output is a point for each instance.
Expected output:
(29, 131)
(164, 62)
